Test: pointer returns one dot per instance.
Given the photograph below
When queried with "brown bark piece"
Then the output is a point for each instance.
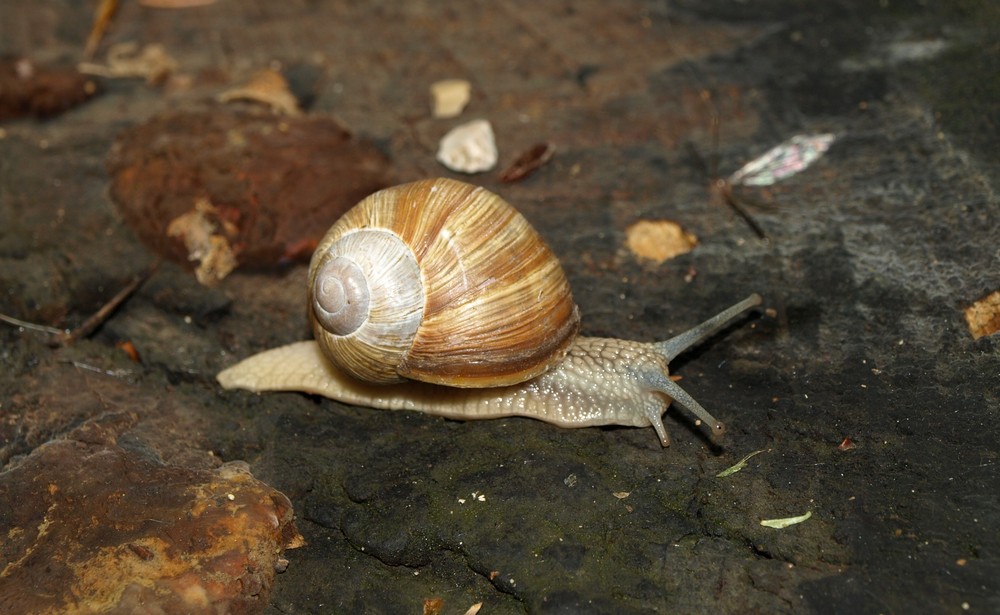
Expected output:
(275, 183)
(29, 89)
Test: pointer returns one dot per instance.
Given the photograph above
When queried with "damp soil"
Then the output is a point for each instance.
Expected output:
(859, 379)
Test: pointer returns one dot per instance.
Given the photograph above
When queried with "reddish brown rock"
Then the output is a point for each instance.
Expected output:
(95, 527)
(240, 185)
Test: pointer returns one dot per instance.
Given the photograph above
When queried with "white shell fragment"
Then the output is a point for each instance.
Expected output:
(268, 87)
(127, 60)
(784, 160)
(469, 148)
(450, 96)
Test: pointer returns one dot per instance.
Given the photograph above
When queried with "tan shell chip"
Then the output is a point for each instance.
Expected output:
(450, 96)
(267, 87)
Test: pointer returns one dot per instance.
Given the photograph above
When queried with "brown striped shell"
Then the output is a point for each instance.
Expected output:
(439, 281)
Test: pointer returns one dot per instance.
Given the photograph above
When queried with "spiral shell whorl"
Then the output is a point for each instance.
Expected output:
(379, 282)
(342, 296)
(490, 305)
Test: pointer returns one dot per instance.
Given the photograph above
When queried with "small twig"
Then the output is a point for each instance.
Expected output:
(101, 315)
(713, 163)
(114, 373)
(724, 187)
(65, 337)
(30, 325)
(102, 19)
(726, 190)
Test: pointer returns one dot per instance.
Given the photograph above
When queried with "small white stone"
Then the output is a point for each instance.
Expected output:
(450, 96)
(469, 148)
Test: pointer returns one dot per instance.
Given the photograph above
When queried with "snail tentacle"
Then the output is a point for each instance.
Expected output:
(661, 382)
(692, 337)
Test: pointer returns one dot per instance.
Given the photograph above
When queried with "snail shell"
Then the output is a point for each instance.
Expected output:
(442, 282)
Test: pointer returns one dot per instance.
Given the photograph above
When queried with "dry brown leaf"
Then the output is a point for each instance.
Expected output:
(129, 349)
(433, 606)
(526, 164)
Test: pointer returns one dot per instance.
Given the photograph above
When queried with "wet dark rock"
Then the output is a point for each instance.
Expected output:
(875, 251)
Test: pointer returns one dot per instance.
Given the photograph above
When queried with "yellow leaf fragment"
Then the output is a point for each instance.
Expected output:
(474, 608)
(780, 524)
(983, 316)
(658, 240)
(739, 465)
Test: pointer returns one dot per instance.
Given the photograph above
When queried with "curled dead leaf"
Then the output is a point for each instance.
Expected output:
(269, 88)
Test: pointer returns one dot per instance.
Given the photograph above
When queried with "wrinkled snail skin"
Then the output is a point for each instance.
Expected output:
(601, 381)
(439, 296)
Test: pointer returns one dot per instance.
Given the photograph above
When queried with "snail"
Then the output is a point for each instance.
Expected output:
(438, 296)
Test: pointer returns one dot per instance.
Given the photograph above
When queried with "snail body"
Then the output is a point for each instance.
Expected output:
(438, 296)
